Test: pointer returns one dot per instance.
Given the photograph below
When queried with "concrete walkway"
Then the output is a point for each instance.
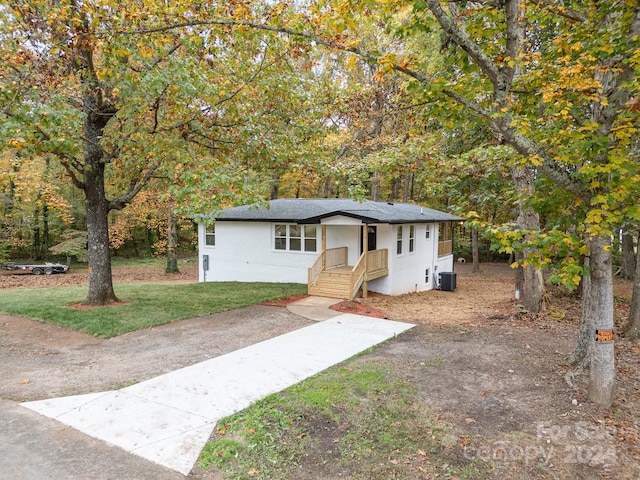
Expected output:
(169, 419)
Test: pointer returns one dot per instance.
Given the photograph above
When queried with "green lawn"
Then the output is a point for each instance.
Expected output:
(147, 305)
(360, 420)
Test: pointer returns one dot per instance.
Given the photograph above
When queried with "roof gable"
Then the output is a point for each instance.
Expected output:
(313, 210)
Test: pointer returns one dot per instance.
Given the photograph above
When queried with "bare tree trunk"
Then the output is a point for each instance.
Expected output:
(44, 245)
(474, 250)
(395, 186)
(172, 241)
(581, 355)
(97, 208)
(45, 231)
(628, 257)
(582, 261)
(533, 282)
(602, 373)
(518, 277)
(275, 186)
(633, 326)
(326, 191)
(96, 113)
(35, 242)
(375, 186)
(405, 186)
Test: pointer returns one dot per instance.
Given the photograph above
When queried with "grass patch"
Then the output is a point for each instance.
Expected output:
(148, 305)
(357, 421)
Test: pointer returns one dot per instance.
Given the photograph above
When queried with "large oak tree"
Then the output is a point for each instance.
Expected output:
(556, 80)
(121, 101)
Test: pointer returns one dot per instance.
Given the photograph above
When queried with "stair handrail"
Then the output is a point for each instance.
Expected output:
(316, 268)
(357, 276)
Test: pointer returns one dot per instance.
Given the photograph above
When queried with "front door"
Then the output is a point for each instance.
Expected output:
(372, 234)
(371, 238)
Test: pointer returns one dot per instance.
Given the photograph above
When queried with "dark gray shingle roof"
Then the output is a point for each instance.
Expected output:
(312, 210)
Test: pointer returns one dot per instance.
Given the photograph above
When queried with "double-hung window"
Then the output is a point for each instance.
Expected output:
(310, 238)
(399, 240)
(295, 238)
(412, 238)
(210, 235)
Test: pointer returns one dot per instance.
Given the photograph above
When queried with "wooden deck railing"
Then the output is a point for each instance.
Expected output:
(377, 260)
(329, 258)
(357, 276)
(316, 268)
(336, 257)
(445, 248)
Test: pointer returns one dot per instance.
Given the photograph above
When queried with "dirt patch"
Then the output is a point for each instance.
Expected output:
(496, 375)
(82, 306)
(56, 361)
(283, 302)
(358, 307)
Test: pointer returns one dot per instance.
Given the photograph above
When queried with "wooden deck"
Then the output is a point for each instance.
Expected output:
(344, 281)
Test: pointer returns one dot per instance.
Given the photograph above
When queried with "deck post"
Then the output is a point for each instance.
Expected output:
(324, 246)
(365, 247)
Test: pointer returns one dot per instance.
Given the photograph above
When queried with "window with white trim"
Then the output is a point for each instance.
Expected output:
(210, 235)
(426, 276)
(295, 238)
(310, 238)
(399, 241)
(412, 237)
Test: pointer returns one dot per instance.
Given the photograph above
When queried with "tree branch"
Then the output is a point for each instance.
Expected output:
(471, 105)
(563, 11)
(70, 164)
(135, 186)
(462, 39)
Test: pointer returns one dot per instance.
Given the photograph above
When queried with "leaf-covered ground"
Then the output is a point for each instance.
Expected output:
(483, 384)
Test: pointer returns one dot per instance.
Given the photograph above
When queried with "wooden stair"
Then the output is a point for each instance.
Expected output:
(333, 283)
(330, 276)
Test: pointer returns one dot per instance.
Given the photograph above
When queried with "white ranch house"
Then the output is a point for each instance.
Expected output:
(322, 242)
